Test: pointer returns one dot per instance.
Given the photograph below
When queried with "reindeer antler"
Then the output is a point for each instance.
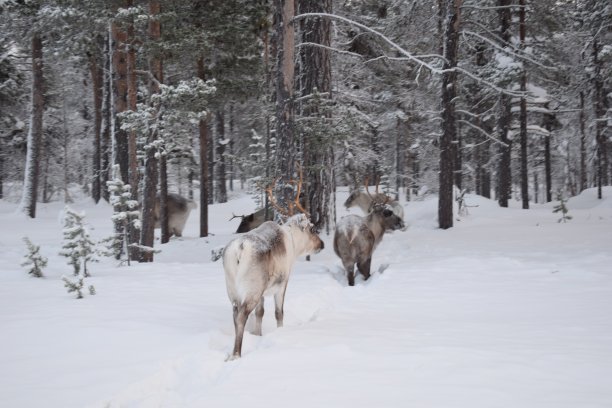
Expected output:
(291, 206)
(235, 216)
(365, 183)
(378, 198)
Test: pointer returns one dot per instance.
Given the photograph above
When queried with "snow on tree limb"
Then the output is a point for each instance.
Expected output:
(408, 55)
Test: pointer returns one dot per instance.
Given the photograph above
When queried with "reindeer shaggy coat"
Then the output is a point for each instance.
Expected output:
(258, 264)
(178, 212)
(357, 237)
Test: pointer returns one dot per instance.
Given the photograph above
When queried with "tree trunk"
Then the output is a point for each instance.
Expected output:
(583, 148)
(107, 109)
(204, 191)
(97, 79)
(315, 64)
(504, 176)
(133, 175)
(449, 123)
(548, 125)
(35, 134)
(120, 99)
(221, 190)
(285, 140)
(147, 231)
(523, 114)
(232, 161)
(599, 95)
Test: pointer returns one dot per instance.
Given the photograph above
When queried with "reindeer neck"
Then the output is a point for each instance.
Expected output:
(295, 245)
(375, 225)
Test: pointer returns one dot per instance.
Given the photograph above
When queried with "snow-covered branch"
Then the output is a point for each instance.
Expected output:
(407, 54)
(518, 54)
(484, 132)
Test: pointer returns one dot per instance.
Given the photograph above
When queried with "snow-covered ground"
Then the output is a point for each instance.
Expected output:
(507, 309)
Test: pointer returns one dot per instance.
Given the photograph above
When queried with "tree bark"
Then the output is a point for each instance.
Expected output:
(449, 123)
(147, 231)
(285, 139)
(221, 190)
(107, 109)
(120, 99)
(133, 175)
(504, 176)
(97, 80)
(204, 191)
(317, 153)
(523, 114)
(583, 148)
(599, 95)
(548, 125)
(35, 135)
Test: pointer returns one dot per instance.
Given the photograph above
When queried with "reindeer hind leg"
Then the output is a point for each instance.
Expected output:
(364, 268)
(241, 314)
(350, 273)
(259, 312)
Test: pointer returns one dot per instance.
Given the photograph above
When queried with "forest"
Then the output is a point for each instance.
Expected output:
(506, 99)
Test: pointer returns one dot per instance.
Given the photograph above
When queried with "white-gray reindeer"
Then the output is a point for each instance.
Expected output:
(365, 201)
(258, 264)
(357, 237)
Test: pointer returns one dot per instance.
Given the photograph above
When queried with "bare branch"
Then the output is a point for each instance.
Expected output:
(484, 132)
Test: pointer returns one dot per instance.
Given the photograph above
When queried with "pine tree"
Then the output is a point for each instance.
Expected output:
(562, 208)
(77, 247)
(34, 260)
(125, 214)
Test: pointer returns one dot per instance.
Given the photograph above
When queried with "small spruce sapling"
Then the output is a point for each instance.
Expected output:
(74, 286)
(34, 259)
(562, 208)
(78, 247)
(125, 214)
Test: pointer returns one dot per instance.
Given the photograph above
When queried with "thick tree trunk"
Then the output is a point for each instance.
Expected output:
(133, 175)
(315, 64)
(35, 134)
(599, 95)
(120, 99)
(285, 139)
(147, 235)
(97, 80)
(231, 164)
(449, 123)
(204, 191)
(221, 190)
(548, 125)
(523, 114)
(583, 148)
(107, 110)
(504, 174)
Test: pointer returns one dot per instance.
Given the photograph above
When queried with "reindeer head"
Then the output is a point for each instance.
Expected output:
(303, 229)
(390, 221)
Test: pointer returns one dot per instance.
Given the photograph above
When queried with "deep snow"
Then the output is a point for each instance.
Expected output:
(507, 309)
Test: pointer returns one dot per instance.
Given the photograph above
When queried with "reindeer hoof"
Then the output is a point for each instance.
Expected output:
(232, 357)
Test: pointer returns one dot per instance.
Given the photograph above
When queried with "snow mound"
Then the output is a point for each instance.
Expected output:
(588, 199)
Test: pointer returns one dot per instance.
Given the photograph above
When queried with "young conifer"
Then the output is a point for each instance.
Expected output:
(33, 259)
(562, 208)
(78, 247)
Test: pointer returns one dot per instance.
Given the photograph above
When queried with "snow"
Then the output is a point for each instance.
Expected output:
(507, 309)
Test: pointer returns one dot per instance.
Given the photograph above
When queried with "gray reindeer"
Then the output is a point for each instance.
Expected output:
(357, 237)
